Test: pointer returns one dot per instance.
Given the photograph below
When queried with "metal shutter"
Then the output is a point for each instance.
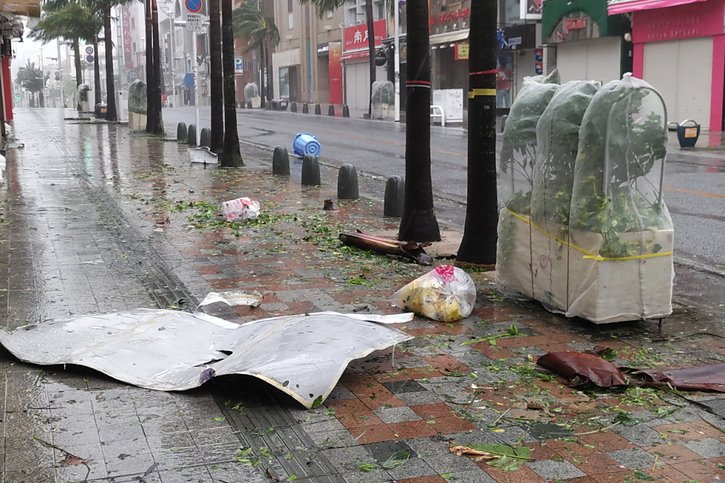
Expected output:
(681, 71)
(593, 59)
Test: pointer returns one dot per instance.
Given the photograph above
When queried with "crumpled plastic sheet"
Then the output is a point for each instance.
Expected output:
(301, 355)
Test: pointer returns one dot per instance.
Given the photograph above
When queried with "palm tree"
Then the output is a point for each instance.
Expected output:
(418, 222)
(111, 112)
(68, 19)
(230, 155)
(215, 74)
(31, 78)
(96, 73)
(154, 123)
(479, 236)
(260, 32)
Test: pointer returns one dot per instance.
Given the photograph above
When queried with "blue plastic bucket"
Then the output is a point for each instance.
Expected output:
(306, 145)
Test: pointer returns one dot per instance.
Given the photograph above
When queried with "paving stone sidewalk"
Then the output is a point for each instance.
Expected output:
(98, 220)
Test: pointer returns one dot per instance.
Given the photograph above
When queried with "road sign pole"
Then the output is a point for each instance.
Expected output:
(196, 87)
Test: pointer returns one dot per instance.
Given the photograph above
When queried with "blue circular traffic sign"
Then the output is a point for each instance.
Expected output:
(194, 6)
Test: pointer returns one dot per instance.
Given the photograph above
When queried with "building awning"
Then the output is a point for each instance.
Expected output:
(625, 6)
(448, 37)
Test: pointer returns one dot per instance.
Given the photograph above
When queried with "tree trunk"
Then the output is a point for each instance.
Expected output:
(216, 94)
(479, 235)
(79, 70)
(111, 114)
(153, 70)
(41, 99)
(96, 75)
(231, 157)
(262, 73)
(371, 53)
(418, 222)
(151, 120)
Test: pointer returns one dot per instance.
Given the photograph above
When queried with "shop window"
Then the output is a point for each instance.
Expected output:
(284, 82)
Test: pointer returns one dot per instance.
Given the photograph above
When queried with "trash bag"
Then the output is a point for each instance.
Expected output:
(240, 209)
(445, 294)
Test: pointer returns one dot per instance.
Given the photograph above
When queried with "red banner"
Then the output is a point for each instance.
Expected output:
(127, 56)
(335, 72)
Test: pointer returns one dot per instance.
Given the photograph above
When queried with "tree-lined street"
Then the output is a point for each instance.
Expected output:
(694, 189)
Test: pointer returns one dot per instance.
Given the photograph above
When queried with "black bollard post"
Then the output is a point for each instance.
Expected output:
(293, 107)
(191, 135)
(305, 108)
(347, 188)
(280, 161)
(310, 171)
(249, 105)
(394, 196)
(181, 134)
(318, 110)
(205, 137)
(331, 110)
(345, 111)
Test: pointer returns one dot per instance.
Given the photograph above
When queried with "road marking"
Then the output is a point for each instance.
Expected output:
(693, 192)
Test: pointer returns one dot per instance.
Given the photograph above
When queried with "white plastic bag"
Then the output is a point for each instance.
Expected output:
(445, 294)
(240, 209)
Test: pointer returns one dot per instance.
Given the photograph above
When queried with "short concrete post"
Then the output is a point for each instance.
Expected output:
(394, 197)
(305, 108)
(205, 137)
(191, 135)
(280, 161)
(347, 187)
(310, 171)
(318, 110)
(331, 110)
(181, 133)
(345, 111)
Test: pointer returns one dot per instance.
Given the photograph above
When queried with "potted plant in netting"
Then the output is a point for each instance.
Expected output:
(557, 136)
(516, 169)
(620, 231)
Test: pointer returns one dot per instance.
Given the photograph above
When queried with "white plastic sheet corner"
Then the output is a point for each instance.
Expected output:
(301, 355)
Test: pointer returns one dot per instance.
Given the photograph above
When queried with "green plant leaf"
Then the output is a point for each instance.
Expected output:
(367, 467)
(395, 460)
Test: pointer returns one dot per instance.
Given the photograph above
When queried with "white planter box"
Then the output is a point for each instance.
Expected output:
(513, 256)
(531, 262)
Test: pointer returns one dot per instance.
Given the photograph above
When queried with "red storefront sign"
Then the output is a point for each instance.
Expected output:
(450, 17)
(355, 39)
(575, 23)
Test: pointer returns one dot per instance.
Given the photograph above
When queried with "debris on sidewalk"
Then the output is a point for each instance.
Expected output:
(233, 299)
(240, 209)
(503, 456)
(202, 155)
(301, 355)
(704, 378)
(410, 250)
(582, 367)
(445, 294)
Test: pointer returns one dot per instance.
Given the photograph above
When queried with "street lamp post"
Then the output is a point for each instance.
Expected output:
(164, 5)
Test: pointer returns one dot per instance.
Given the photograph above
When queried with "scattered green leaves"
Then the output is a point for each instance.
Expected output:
(642, 476)
(512, 331)
(395, 460)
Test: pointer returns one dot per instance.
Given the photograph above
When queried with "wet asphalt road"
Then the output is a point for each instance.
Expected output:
(694, 182)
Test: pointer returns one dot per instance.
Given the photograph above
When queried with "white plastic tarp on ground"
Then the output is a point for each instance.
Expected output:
(301, 355)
